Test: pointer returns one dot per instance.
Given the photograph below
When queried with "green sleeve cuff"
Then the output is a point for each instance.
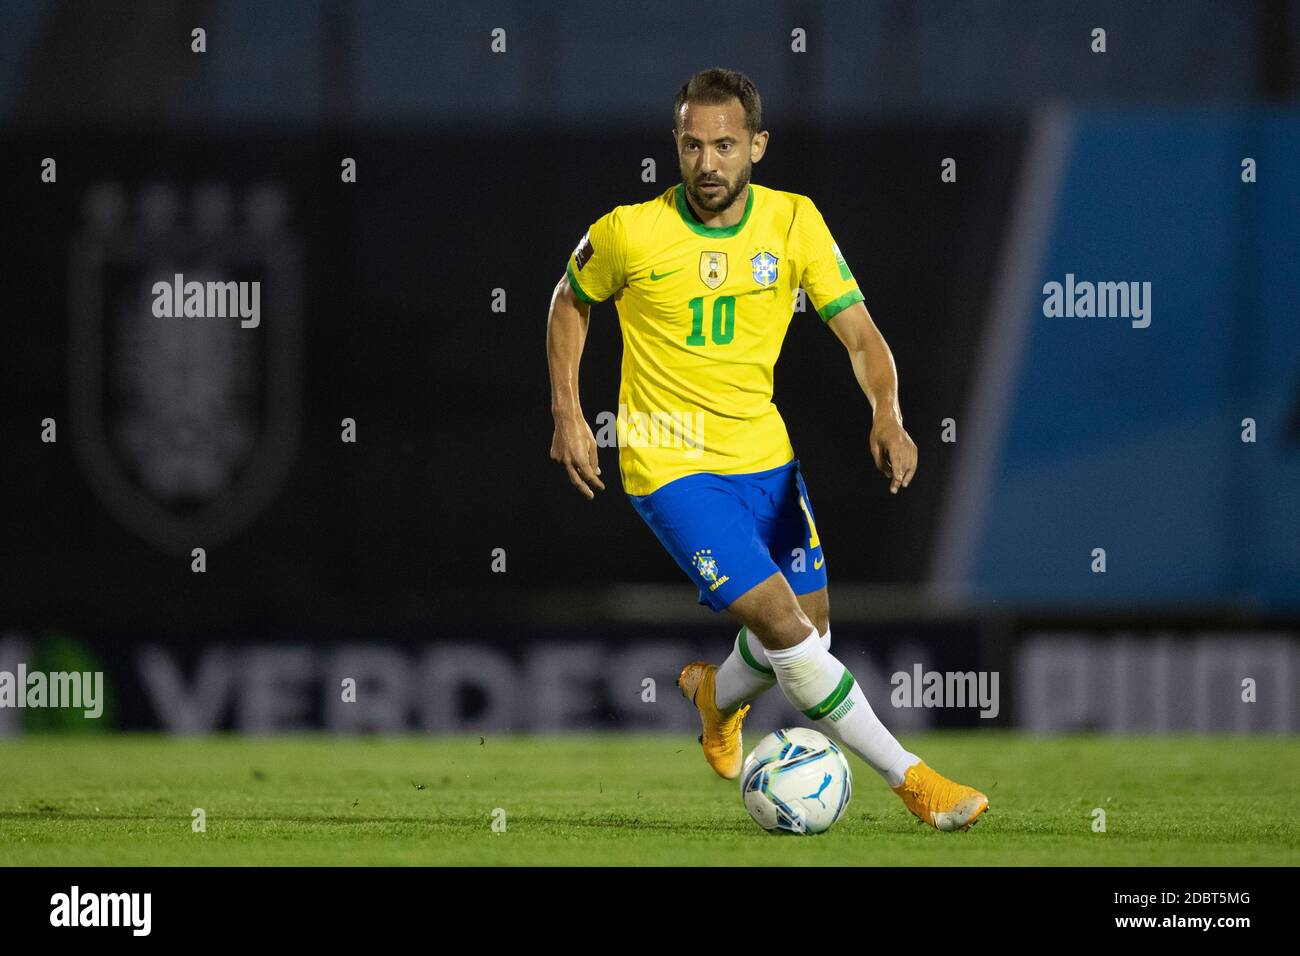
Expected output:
(834, 308)
(573, 284)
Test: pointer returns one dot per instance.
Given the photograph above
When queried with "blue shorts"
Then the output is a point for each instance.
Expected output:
(731, 532)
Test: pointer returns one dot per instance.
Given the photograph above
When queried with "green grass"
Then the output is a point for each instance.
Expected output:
(634, 800)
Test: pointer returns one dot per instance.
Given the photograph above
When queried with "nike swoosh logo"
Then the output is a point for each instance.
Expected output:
(817, 565)
(770, 288)
(662, 275)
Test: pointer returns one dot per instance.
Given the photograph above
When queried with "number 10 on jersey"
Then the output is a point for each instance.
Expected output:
(724, 320)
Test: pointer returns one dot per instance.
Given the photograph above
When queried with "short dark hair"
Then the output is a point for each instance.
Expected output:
(716, 86)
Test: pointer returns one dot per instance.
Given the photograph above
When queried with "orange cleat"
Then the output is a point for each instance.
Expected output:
(721, 739)
(938, 801)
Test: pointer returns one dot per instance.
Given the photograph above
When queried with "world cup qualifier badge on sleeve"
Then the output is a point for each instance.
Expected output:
(584, 251)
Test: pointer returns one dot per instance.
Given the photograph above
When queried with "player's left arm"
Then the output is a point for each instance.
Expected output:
(891, 447)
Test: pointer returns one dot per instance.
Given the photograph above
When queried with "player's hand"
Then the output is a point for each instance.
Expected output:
(894, 452)
(574, 446)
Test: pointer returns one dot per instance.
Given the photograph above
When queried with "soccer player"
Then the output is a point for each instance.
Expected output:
(704, 277)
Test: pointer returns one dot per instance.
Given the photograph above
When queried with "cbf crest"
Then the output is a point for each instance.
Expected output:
(707, 566)
(185, 385)
(764, 268)
(713, 268)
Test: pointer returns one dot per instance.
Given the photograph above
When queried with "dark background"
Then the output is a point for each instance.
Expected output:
(452, 400)
(480, 171)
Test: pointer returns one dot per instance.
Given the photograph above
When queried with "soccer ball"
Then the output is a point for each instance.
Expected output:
(796, 781)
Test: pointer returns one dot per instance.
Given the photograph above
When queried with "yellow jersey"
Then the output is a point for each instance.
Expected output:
(703, 312)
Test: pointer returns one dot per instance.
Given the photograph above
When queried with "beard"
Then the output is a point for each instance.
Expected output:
(725, 198)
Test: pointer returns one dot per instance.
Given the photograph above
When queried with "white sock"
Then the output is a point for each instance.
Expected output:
(746, 674)
(825, 692)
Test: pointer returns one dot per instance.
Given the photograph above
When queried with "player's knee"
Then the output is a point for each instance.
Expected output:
(784, 629)
(818, 612)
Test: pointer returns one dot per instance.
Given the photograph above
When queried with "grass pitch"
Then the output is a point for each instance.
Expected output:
(626, 800)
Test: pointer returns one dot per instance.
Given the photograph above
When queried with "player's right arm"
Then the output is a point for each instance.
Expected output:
(838, 300)
(594, 273)
(573, 444)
